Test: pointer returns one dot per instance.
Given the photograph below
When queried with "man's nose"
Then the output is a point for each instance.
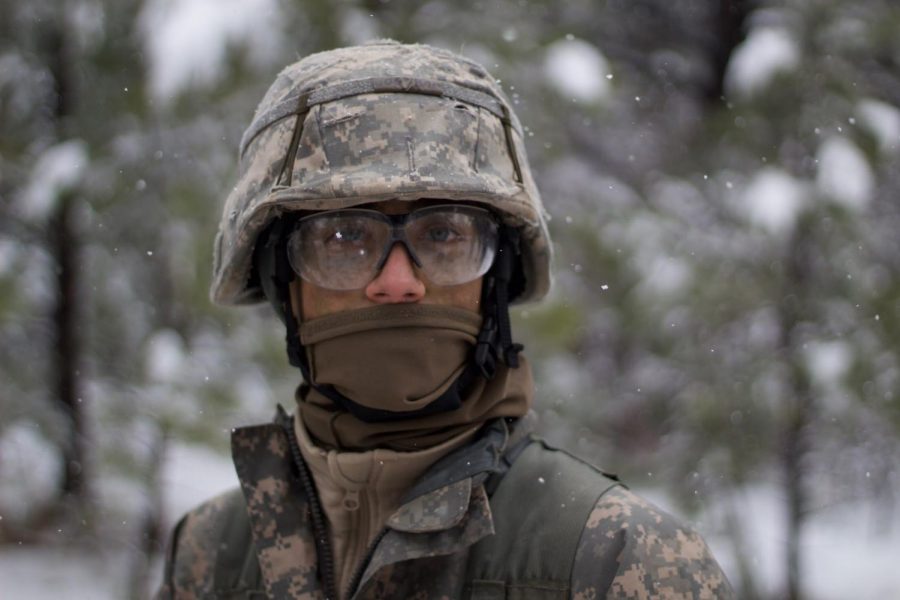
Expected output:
(397, 281)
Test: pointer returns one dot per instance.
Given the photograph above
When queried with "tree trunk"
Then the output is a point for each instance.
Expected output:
(729, 24)
(794, 307)
(794, 452)
(151, 537)
(64, 246)
(66, 356)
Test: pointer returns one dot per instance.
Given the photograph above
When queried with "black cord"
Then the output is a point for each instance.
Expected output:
(319, 524)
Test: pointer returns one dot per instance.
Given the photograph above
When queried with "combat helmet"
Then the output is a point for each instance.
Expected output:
(376, 122)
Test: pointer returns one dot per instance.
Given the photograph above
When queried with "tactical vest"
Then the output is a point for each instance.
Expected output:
(539, 506)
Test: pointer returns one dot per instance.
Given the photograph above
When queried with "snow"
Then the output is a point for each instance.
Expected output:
(29, 470)
(358, 27)
(9, 254)
(664, 276)
(165, 356)
(254, 391)
(192, 474)
(765, 53)
(187, 41)
(882, 120)
(577, 69)
(773, 200)
(56, 171)
(568, 375)
(828, 362)
(87, 23)
(851, 552)
(844, 174)
(46, 573)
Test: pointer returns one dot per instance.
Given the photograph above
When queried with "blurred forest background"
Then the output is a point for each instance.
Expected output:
(724, 330)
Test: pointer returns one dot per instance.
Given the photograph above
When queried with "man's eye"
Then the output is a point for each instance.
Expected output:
(443, 235)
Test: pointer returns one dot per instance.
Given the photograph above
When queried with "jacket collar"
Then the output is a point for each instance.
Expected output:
(279, 517)
(446, 511)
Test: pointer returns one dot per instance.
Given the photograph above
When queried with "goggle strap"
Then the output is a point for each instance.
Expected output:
(281, 279)
(509, 245)
(510, 350)
(485, 348)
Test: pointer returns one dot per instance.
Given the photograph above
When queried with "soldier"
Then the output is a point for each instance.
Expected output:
(386, 209)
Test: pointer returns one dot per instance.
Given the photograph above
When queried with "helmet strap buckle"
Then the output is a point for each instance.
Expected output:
(485, 348)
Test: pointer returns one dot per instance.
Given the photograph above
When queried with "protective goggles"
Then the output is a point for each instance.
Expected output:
(346, 249)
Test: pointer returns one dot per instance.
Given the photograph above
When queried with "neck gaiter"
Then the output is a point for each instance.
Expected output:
(398, 360)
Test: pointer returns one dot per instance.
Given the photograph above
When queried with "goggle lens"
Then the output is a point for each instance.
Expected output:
(345, 249)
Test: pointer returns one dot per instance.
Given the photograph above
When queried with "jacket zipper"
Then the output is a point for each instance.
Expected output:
(319, 525)
(320, 528)
(361, 568)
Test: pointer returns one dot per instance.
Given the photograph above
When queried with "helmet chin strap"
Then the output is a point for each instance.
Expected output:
(495, 338)
(494, 341)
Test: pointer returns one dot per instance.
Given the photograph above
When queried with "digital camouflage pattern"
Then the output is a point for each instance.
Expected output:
(195, 568)
(434, 544)
(658, 558)
(377, 122)
(279, 517)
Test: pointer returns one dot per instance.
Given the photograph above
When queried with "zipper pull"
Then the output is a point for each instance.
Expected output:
(351, 500)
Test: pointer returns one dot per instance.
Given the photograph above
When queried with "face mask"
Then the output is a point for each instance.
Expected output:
(393, 360)
(400, 376)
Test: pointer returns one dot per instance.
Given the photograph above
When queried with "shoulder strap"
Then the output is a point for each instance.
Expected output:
(540, 508)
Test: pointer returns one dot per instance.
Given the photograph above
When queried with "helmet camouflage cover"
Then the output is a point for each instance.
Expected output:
(377, 122)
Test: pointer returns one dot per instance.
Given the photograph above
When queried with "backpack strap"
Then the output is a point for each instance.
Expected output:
(540, 508)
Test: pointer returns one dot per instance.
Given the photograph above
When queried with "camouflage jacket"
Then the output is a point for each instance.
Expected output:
(496, 519)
